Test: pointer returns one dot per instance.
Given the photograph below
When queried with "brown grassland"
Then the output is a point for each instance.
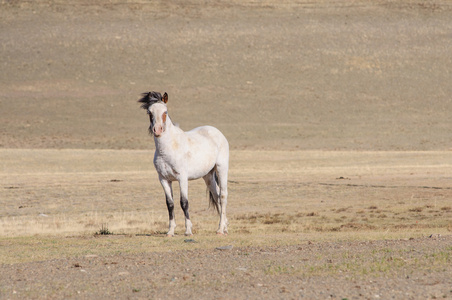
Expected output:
(338, 118)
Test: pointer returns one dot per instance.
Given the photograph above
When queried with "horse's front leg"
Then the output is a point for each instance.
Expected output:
(167, 187)
(183, 183)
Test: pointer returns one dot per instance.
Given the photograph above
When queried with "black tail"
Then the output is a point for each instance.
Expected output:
(212, 201)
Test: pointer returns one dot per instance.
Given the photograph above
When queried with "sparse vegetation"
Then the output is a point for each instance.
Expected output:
(271, 206)
(416, 209)
(104, 230)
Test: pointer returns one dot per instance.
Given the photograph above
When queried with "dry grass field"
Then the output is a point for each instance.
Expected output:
(338, 117)
(74, 192)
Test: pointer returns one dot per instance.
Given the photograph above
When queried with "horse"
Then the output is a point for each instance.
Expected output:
(182, 156)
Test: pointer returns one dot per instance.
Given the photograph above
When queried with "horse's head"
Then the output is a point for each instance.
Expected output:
(155, 105)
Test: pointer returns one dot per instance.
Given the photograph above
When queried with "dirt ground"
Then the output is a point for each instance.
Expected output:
(338, 117)
(308, 270)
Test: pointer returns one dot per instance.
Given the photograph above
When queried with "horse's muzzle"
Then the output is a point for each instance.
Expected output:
(158, 130)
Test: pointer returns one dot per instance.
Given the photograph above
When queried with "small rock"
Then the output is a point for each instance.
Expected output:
(123, 273)
(190, 241)
(223, 248)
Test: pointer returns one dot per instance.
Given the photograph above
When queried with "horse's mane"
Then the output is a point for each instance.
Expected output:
(149, 99)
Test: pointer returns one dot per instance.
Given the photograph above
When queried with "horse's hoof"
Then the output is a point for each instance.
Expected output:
(169, 235)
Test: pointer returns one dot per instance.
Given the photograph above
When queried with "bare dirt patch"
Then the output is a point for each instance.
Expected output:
(411, 268)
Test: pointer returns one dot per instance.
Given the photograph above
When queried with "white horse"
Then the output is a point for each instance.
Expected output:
(183, 156)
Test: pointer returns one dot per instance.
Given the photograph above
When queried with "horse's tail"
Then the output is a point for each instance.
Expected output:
(212, 201)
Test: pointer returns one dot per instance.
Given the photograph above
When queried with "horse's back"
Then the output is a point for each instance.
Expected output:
(209, 133)
(210, 139)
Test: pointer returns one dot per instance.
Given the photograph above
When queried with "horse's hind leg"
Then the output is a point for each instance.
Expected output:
(222, 172)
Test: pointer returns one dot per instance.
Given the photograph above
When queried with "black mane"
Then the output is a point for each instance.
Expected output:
(149, 99)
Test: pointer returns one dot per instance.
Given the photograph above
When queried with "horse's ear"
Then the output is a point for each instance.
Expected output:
(165, 98)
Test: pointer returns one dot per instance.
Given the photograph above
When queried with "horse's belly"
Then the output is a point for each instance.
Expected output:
(191, 168)
(199, 171)
(200, 160)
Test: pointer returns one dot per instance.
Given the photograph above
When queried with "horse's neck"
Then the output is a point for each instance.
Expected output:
(165, 143)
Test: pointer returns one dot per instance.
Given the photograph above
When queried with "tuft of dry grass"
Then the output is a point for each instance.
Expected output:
(416, 209)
